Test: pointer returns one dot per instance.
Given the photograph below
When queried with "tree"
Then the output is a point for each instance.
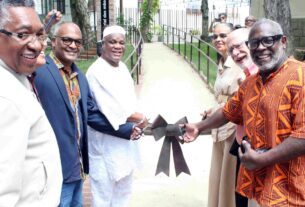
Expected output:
(80, 15)
(149, 8)
(205, 20)
(279, 11)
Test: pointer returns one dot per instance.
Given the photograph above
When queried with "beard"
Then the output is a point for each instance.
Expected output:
(272, 64)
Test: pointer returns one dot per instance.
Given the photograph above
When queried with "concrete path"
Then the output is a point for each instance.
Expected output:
(171, 88)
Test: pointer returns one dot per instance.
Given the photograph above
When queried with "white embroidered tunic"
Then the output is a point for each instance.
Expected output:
(114, 93)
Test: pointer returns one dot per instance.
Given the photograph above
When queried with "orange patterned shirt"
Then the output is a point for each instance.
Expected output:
(271, 112)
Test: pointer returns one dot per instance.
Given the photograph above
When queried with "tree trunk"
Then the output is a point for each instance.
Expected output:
(205, 20)
(279, 11)
(80, 15)
(145, 21)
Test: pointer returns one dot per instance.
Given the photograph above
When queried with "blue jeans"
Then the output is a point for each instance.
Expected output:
(71, 194)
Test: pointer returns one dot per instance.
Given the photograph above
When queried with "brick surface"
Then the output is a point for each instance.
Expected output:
(86, 193)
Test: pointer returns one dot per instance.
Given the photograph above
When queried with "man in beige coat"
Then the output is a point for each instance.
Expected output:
(30, 170)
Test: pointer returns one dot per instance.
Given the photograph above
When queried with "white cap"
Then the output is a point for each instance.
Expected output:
(115, 29)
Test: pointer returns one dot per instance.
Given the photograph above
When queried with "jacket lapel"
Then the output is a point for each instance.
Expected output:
(84, 92)
(59, 82)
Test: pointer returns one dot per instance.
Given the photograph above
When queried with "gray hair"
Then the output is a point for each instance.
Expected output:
(228, 25)
(6, 4)
(276, 27)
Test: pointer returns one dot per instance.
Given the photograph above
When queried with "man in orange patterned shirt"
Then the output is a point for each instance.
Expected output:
(271, 106)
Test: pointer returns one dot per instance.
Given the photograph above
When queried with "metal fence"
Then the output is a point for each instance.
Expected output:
(200, 54)
(187, 20)
(134, 59)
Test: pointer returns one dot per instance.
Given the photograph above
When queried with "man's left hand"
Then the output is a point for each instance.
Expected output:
(249, 158)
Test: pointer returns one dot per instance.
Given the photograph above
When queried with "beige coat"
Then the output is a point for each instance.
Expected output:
(229, 76)
(30, 170)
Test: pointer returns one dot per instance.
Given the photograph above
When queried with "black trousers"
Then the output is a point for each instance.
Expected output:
(240, 201)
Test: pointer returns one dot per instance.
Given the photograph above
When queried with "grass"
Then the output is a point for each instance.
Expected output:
(198, 60)
(83, 65)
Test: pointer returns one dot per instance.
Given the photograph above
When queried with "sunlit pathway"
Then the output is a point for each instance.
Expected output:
(170, 87)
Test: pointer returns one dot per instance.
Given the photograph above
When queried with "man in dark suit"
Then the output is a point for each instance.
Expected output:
(64, 94)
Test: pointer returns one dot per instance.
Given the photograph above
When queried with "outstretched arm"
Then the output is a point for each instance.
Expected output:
(99, 122)
(216, 120)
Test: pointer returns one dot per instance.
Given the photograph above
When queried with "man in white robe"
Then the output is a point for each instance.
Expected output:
(113, 159)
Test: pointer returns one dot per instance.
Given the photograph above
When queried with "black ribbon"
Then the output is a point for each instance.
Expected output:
(172, 133)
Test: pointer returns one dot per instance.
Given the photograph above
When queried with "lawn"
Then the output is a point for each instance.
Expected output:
(198, 60)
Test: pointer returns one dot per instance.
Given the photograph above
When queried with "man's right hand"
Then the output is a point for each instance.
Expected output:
(137, 133)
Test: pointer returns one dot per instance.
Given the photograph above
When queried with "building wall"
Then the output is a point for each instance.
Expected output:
(297, 8)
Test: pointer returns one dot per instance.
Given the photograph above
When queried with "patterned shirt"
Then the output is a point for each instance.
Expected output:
(271, 112)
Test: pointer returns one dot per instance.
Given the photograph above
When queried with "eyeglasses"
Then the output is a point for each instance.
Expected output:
(24, 38)
(237, 46)
(221, 35)
(266, 41)
(68, 41)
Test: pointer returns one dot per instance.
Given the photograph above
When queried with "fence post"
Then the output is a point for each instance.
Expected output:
(208, 64)
(179, 42)
(199, 55)
(163, 33)
(137, 58)
(167, 35)
(173, 38)
(184, 45)
(140, 52)
(191, 50)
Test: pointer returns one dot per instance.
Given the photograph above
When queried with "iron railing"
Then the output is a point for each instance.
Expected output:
(200, 54)
(134, 59)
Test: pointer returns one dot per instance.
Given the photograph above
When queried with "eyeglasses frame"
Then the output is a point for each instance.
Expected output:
(41, 38)
(275, 38)
(77, 42)
(214, 36)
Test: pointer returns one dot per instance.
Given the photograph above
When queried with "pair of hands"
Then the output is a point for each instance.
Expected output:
(191, 130)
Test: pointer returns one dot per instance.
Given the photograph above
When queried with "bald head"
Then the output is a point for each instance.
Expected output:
(241, 34)
(238, 49)
(67, 42)
(61, 28)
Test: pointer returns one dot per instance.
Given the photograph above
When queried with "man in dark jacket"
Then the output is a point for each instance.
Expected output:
(64, 94)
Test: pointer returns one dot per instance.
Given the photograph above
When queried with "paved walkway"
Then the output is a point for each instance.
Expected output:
(171, 88)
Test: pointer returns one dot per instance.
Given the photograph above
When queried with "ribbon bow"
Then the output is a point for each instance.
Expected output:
(160, 128)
